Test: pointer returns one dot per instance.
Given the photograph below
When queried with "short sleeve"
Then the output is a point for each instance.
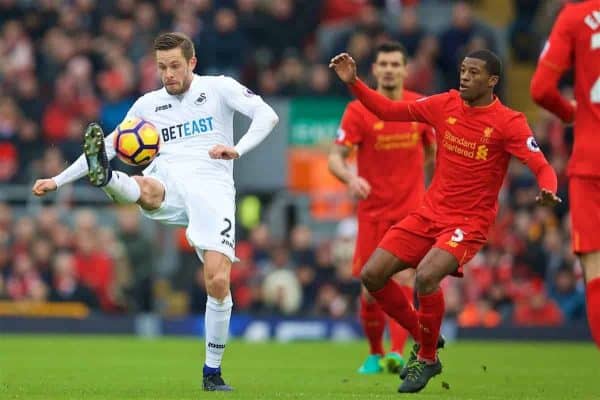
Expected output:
(351, 128)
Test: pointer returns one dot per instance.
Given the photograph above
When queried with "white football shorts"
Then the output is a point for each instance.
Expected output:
(205, 206)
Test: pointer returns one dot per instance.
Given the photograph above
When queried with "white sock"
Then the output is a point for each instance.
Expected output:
(216, 328)
(122, 188)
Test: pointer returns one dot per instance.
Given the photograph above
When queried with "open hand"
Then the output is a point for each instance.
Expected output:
(43, 186)
(547, 198)
(344, 66)
(222, 152)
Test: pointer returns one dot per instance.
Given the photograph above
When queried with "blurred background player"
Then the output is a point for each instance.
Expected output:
(575, 41)
(191, 182)
(389, 183)
(476, 136)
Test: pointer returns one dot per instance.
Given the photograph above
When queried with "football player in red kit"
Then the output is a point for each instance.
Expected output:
(575, 42)
(389, 183)
(476, 136)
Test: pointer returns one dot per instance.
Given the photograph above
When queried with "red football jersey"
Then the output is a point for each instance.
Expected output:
(475, 145)
(575, 40)
(390, 157)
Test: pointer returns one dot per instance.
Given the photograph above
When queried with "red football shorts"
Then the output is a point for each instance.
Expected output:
(370, 232)
(415, 235)
(584, 199)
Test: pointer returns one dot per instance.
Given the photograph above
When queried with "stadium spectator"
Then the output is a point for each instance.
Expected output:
(143, 266)
(68, 61)
(567, 294)
(410, 32)
(537, 310)
(65, 285)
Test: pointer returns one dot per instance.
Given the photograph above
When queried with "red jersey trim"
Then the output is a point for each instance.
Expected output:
(493, 103)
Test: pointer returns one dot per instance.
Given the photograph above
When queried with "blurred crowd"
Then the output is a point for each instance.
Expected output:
(66, 63)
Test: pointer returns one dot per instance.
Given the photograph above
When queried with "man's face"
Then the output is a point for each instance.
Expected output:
(389, 70)
(475, 80)
(175, 72)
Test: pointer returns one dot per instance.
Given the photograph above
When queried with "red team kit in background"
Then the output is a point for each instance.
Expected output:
(390, 157)
(575, 43)
(577, 31)
(474, 146)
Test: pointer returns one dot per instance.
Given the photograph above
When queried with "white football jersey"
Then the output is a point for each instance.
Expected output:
(192, 123)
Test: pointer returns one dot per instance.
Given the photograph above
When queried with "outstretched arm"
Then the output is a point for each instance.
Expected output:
(384, 108)
(72, 173)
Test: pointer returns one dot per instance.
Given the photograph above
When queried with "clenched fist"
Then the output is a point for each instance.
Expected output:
(43, 186)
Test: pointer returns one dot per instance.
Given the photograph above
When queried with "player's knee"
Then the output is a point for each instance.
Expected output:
(217, 285)
(426, 280)
(370, 278)
(151, 193)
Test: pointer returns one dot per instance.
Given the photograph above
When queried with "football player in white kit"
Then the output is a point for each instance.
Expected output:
(190, 182)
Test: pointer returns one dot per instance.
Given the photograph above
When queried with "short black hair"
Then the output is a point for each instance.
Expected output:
(493, 65)
(391, 47)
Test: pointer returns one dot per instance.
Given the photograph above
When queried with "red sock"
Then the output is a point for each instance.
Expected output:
(372, 319)
(592, 294)
(395, 304)
(431, 313)
(398, 334)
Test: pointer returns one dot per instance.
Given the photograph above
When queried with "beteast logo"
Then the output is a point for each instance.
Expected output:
(215, 346)
(201, 99)
(163, 107)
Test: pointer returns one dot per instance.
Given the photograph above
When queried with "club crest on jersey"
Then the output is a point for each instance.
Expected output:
(532, 144)
(451, 120)
(200, 100)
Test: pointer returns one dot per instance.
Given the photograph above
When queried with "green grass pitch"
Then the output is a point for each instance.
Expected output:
(102, 367)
